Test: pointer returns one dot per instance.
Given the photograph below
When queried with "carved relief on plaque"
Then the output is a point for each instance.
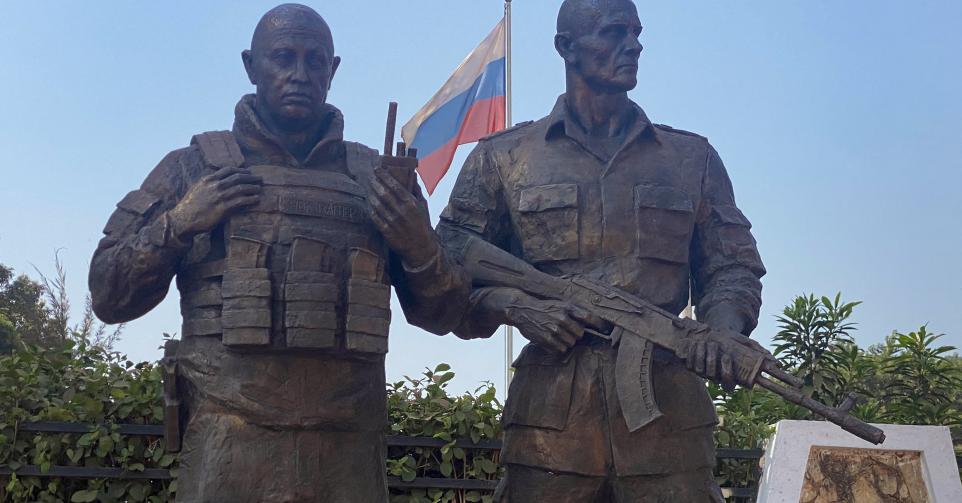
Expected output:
(850, 475)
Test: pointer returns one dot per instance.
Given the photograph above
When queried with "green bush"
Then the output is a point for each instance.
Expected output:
(83, 384)
(423, 407)
(77, 383)
(909, 378)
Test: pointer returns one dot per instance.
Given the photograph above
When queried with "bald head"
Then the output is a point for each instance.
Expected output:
(598, 40)
(291, 18)
(575, 15)
(292, 63)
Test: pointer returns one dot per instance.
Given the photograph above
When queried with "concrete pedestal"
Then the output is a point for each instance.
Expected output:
(818, 462)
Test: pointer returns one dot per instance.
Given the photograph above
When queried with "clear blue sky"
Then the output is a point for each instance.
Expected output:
(840, 124)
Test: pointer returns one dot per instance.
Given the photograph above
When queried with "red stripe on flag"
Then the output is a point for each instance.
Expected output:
(483, 118)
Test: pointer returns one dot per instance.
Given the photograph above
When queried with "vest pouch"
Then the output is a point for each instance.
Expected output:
(201, 308)
(368, 304)
(311, 292)
(311, 317)
(246, 289)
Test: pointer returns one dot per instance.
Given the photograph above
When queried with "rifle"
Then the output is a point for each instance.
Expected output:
(640, 328)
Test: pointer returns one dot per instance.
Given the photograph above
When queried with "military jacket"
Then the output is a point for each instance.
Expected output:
(656, 217)
(254, 279)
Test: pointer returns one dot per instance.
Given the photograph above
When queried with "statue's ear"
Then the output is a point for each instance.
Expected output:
(564, 44)
(334, 64)
(248, 60)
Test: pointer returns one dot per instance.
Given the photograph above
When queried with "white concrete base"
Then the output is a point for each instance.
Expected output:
(788, 451)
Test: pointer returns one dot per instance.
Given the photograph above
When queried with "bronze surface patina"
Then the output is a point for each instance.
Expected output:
(285, 240)
(597, 191)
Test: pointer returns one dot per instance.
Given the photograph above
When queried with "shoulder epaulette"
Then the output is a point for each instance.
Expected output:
(360, 148)
(515, 127)
(679, 131)
(219, 149)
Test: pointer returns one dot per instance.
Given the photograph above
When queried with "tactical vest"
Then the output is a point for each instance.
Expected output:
(304, 268)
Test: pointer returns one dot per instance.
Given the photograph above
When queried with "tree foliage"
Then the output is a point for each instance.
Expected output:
(810, 328)
(908, 379)
(38, 313)
(24, 312)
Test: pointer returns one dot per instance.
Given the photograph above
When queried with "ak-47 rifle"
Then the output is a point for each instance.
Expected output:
(640, 327)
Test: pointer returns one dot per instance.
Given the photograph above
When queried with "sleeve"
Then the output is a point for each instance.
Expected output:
(132, 268)
(726, 267)
(477, 208)
(434, 295)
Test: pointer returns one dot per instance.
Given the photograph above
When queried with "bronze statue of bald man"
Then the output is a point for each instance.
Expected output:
(596, 190)
(285, 240)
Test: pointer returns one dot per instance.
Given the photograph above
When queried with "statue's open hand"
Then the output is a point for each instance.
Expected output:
(213, 198)
(553, 324)
(402, 218)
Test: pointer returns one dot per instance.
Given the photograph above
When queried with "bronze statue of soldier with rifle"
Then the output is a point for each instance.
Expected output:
(588, 230)
(285, 240)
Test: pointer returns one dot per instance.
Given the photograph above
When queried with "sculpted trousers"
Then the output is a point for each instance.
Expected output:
(526, 484)
(280, 427)
(566, 440)
(226, 460)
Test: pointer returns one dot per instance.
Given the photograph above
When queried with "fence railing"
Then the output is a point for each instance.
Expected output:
(157, 430)
(152, 430)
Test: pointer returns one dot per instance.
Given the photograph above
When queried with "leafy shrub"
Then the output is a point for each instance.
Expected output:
(83, 384)
(77, 383)
(810, 328)
(423, 407)
(906, 380)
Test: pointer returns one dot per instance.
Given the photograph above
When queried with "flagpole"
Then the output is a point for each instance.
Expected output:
(508, 329)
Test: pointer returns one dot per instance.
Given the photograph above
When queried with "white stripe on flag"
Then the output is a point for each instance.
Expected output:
(490, 49)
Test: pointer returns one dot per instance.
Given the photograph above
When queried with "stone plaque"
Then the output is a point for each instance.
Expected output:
(818, 462)
(843, 474)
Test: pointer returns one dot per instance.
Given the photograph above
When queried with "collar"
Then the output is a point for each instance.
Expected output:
(260, 144)
(560, 122)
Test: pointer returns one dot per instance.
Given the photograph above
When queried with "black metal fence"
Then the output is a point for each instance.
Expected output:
(151, 430)
(60, 471)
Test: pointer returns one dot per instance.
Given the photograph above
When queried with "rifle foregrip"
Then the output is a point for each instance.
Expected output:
(488, 265)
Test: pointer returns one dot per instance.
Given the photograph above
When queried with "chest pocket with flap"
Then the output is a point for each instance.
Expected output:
(549, 222)
(664, 216)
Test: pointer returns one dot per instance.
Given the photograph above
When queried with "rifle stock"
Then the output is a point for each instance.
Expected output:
(641, 326)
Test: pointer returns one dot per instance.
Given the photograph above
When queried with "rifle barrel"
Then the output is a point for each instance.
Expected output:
(847, 421)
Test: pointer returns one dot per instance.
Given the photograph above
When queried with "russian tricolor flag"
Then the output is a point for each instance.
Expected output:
(470, 106)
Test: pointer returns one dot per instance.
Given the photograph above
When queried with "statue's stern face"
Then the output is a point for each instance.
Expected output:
(607, 54)
(293, 73)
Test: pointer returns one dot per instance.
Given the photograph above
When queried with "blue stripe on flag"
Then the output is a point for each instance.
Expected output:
(445, 123)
